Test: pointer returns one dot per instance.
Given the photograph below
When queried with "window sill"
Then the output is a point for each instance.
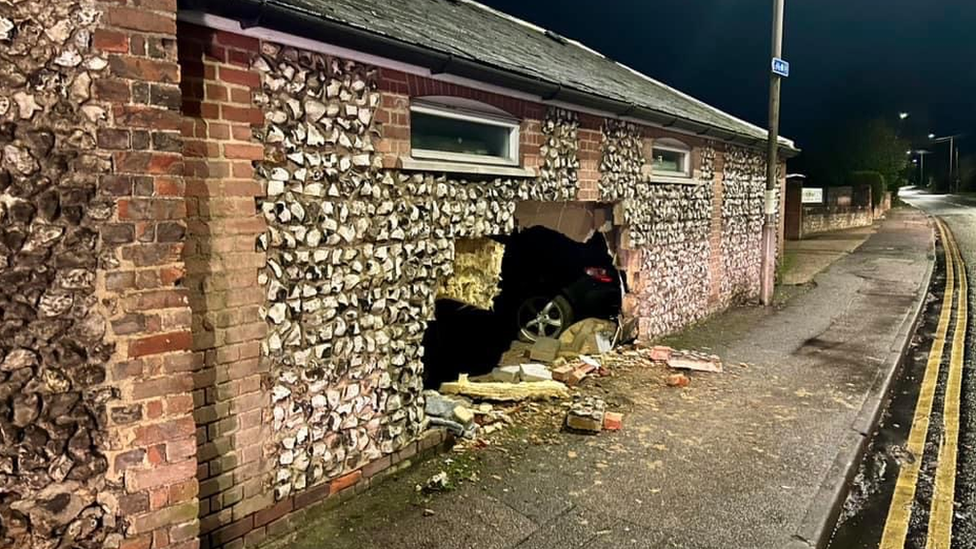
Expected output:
(412, 164)
(673, 180)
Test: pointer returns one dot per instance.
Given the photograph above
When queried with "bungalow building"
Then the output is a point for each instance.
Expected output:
(223, 226)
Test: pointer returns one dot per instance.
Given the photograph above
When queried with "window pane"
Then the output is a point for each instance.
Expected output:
(669, 161)
(436, 133)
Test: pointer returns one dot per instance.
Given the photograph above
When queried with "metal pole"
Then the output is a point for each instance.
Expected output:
(922, 167)
(952, 145)
(768, 273)
(958, 172)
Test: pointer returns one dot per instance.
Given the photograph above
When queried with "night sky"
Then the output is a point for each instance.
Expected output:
(850, 58)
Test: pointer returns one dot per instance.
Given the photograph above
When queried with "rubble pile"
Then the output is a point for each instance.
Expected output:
(461, 416)
(586, 415)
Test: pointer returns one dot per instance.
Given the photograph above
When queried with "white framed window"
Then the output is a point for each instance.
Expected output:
(460, 130)
(670, 157)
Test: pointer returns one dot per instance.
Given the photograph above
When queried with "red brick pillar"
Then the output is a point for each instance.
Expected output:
(222, 278)
(151, 423)
(716, 260)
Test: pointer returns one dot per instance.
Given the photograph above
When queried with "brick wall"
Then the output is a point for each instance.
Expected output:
(716, 264)
(230, 404)
(143, 286)
(590, 148)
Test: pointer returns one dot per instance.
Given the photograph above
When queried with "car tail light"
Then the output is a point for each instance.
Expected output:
(599, 274)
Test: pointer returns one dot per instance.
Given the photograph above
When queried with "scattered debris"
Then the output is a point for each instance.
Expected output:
(678, 380)
(436, 483)
(660, 353)
(498, 391)
(428, 512)
(693, 360)
(590, 361)
(587, 415)
(534, 372)
(453, 414)
(588, 336)
(504, 374)
(562, 373)
(545, 349)
(613, 421)
(454, 427)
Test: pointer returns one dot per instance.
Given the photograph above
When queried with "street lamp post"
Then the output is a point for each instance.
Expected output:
(768, 270)
(953, 157)
(921, 165)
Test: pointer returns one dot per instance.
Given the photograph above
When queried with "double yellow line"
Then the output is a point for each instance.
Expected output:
(941, 513)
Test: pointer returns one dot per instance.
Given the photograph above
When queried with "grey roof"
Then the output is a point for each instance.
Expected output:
(472, 31)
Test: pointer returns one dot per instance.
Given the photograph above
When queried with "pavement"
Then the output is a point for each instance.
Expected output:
(807, 258)
(751, 458)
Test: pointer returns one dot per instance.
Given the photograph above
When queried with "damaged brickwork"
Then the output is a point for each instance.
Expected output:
(666, 225)
(354, 256)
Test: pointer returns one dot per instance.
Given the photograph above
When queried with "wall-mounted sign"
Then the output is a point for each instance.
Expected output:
(813, 196)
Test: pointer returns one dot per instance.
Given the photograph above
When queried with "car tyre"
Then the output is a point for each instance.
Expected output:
(540, 316)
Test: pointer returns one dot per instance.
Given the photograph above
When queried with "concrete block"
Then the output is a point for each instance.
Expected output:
(545, 349)
(535, 372)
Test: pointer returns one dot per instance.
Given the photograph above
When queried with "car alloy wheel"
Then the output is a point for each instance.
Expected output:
(543, 317)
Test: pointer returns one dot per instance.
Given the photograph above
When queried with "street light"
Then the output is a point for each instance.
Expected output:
(904, 115)
(953, 152)
(921, 164)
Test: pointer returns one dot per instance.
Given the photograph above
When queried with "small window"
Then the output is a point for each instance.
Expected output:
(671, 157)
(463, 131)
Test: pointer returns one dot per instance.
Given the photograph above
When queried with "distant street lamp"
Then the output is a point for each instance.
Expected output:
(921, 164)
(953, 155)
(904, 115)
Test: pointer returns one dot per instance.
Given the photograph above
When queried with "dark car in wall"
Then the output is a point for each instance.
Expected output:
(550, 281)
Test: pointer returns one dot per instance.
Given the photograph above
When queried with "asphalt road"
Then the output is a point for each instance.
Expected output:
(871, 518)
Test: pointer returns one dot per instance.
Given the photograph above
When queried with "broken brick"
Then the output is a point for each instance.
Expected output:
(678, 380)
(612, 421)
(660, 353)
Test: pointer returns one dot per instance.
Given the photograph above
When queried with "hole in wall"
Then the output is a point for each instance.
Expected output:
(548, 282)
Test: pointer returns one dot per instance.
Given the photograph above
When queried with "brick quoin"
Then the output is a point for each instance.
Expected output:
(150, 318)
(230, 402)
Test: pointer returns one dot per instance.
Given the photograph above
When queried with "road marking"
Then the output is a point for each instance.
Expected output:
(940, 519)
(900, 510)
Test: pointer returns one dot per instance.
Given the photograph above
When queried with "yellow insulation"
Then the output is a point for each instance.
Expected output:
(477, 272)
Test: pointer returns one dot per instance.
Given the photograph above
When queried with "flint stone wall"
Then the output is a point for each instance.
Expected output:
(356, 250)
(744, 184)
(96, 442)
(53, 354)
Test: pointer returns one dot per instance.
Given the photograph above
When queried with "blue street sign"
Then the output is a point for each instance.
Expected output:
(781, 67)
